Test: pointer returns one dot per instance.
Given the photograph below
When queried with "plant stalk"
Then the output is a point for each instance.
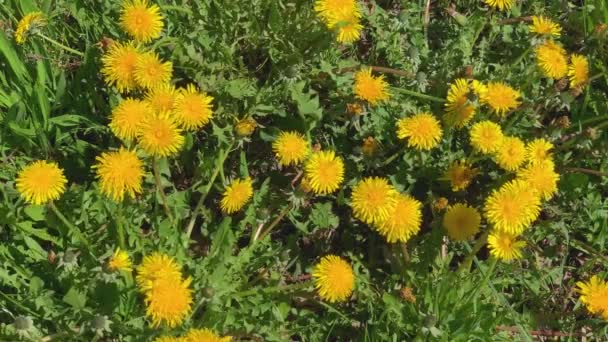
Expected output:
(159, 188)
(70, 226)
(417, 94)
(466, 263)
(58, 44)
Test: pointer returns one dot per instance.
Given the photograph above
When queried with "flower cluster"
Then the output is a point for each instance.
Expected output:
(343, 16)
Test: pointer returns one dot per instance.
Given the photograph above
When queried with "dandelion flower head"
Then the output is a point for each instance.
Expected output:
(505, 246)
(486, 137)
(168, 301)
(404, 220)
(372, 89)
(541, 177)
(127, 118)
(422, 130)
(552, 60)
(537, 151)
(511, 154)
(578, 71)
(120, 173)
(594, 295)
(27, 23)
(373, 200)
(460, 175)
(501, 98)
(236, 195)
(458, 109)
(162, 98)
(193, 108)
(334, 279)
(141, 20)
(512, 207)
(150, 72)
(120, 261)
(461, 221)
(159, 136)
(500, 4)
(119, 65)
(325, 172)
(204, 335)
(545, 26)
(40, 182)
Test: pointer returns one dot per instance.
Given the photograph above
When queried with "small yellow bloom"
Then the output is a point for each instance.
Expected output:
(40, 182)
(236, 195)
(511, 154)
(486, 137)
(128, 117)
(500, 4)
(193, 108)
(168, 301)
(151, 72)
(157, 266)
(458, 109)
(325, 171)
(354, 108)
(349, 30)
(159, 136)
(245, 127)
(422, 130)
(290, 148)
(440, 204)
(513, 207)
(545, 26)
(119, 65)
(26, 24)
(552, 60)
(334, 279)
(501, 98)
(204, 335)
(120, 261)
(141, 20)
(541, 177)
(537, 151)
(578, 70)
(460, 175)
(505, 246)
(169, 339)
(479, 89)
(343, 15)
(119, 173)
(594, 295)
(369, 88)
(162, 98)
(461, 221)
(373, 200)
(403, 221)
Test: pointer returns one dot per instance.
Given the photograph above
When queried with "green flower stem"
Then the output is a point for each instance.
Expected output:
(393, 156)
(264, 232)
(70, 226)
(274, 289)
(159, 188)
(523, 55)
(219, 165)
(120, 228)
(58, 44)
(406, 255)
(417, 94)
(595, 77)
(466, 263)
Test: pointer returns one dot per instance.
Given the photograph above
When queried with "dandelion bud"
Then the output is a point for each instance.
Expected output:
(407, 294)
(370, 147)
(592, 133)
(563, 122)
(23, 323)
(245, 127)
(440, 204)
(354, 109)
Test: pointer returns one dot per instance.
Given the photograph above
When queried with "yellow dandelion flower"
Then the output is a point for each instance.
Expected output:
(350, 30)
(354, 109)
(460, 175)
(27, 23)
(168, 301)
(486, 137)
(513, 207)
(537, 151)
(461, 221)
(193, 108)
(160, 136)
(141, 20)
(325, 171)
(403, 221)
(501, 98)
(334, 279)
(204, 335)
(458, 109)
(500, 4)
(369, 88)
(505, 246)
(169, 339)
(545, 26)
(119, 65)
(578, 71)
(370, 147)
(128, 117)
(290, 148)
(541, 177)
(328, 9)
(594, 294)
(245, 127)
(120, 261)
(511, 154)
(157, 266)
(373, 200)
(162, 98)
(236, 195)
(151, 72)
(552, 60)
(40, 182)
(422, 131)
(119, 173)
(480, 90)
